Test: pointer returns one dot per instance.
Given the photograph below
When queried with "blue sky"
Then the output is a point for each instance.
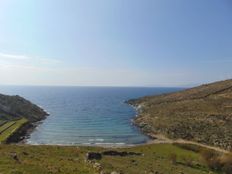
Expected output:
(115, 42)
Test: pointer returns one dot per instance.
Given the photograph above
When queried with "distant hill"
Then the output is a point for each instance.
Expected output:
(202, 114)
(14, 107)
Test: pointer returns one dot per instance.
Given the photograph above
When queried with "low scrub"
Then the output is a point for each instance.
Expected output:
(173, 158)
(217, 161)
(191, 147)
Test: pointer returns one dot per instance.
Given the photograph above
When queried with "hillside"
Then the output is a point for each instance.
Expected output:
(202, 114)
(146, 159)
(13, 107)
(17, 116)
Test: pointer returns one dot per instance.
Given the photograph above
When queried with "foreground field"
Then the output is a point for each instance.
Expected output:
(154, 159)
(7, 128)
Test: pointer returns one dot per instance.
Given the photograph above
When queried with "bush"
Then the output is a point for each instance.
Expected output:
(218, 161)
(173, 158)
(212, 159)
(191, 147)
(226, 160)
(189, 161)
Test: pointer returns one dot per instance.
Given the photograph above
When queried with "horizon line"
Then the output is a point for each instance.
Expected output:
(102, 86)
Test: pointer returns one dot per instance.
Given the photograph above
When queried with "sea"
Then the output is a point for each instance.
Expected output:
(85, 115)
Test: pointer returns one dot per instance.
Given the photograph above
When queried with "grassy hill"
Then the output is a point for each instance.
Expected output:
(9, 128)
(154, 159)
(14, 107)
(202, 114)
(17, 115)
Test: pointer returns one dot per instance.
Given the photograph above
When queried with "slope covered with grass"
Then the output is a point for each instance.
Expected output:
(10, 127)
(17, 115)
(202, 114)
(14, 107)
(156, 158)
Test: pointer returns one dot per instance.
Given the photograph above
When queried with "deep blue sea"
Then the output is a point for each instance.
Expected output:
(85, 115)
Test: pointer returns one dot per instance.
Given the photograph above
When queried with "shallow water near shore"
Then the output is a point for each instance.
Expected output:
(85, 115)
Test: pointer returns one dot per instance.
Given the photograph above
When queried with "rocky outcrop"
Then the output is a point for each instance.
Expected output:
(122, 154)
(99, 155)
(93, 156)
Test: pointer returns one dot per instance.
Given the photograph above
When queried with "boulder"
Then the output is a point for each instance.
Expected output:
(122, 154)
(93, 156)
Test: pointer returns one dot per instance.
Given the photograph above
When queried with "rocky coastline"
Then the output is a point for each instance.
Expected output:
(201, 114)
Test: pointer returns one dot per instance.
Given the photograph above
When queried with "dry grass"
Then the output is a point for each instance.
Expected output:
(199, 114)
(71, 160)
(218, 162)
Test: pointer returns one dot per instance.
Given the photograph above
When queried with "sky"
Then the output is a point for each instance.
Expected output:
(115, 42)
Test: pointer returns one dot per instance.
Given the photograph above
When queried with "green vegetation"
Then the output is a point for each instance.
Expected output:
(10, 127)
(15, 112)
(15, 107)
(155, 158)
(161, 158)
(202, 114)
(218, 162)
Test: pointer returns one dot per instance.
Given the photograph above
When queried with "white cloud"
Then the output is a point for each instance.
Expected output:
(48, 60)
(14, 59)
(21, 69)
(47, 71)
(33, 70)
(12, 56)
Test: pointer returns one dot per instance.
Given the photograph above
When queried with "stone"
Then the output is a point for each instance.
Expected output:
(116, 153)
(93, 156)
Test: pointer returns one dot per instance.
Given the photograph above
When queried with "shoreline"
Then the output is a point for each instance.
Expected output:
(162, 139)
(157, 139)
(25, 131)
(154, 139)
(23, 137)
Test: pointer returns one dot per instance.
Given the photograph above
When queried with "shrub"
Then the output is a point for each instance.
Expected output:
(189, 161)
(212, 159)
(226, 161)
(191, 147)
(173, 158)
(218, 162)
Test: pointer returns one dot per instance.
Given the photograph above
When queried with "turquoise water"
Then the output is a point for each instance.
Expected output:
(85, 115)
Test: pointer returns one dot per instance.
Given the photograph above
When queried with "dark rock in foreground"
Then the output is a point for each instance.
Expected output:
(98, 156)
(93, 156)
(116, 153)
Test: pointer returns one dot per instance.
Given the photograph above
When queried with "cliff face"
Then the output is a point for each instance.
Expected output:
(202, 114)
(13, 107)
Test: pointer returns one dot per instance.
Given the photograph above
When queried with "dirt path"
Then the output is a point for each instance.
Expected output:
(159, 139)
